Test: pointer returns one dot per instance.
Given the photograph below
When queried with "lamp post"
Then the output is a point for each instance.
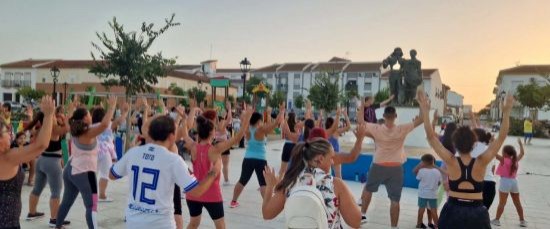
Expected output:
(54, 71)
(65, 92)
(245, 68)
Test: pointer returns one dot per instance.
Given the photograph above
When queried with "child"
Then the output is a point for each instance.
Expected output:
(430, 177)
(507, 170)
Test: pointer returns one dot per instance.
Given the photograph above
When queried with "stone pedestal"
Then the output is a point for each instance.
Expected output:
(417, 138)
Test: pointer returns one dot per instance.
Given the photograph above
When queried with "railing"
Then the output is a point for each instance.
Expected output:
(6, 83)
(16, 83)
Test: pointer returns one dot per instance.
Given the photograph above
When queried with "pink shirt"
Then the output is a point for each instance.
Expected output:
(505, 169)
(83, 157)
(389, 142)
(201, 167)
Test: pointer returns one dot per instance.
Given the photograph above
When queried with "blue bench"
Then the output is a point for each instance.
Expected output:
(358, 171)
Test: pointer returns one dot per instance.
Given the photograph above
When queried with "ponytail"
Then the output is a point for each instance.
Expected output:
(308, 125)
(78, 126)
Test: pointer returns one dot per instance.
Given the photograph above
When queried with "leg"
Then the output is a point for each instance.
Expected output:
(394, 213)
(419, 219)
(215, 210)
(517, 204)
(87, 186)
(225, 162)
(55, 181)
(178, 208)
(246, 172)
(488, 193)
(429, 215)
(179, 221)
(32, 165)
(394, 187)
(39, 185)
(282, 170)
(237, 191)
(501, 204)
(104, 164)
(195, 211)
(103, 188)
(434, 216)
(375, 177)
(259, 170)
(194, 222)
(69, 196)
(366, 198)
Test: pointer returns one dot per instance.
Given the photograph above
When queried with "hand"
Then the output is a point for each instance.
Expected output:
(338, 111)
(228, 105)
(308, 104)
(361, 131)
(423, 100)
(416, 118)
(112, 102)
(508, 102)
(246, 114)
(144, 102)
(47, 105)
(345, 112)
(125, 107)
(270, 178)
(391, 97)
(181, 111)
(282, 107)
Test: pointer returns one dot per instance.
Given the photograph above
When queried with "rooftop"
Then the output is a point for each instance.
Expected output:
(293, 67)
(363, 67)
(29, 63)
(270, 68)
(524, 70)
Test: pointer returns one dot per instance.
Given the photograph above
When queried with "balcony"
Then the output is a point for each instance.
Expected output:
(16, 83)
(6, 83)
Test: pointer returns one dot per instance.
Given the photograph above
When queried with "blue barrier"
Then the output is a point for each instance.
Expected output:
(358, 170)
(119, 147)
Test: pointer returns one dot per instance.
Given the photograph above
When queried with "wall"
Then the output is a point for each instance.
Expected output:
(509, 84)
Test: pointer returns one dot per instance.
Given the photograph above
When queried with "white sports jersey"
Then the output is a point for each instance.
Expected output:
(152, 171)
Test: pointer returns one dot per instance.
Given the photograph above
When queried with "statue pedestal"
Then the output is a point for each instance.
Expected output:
(417, 138)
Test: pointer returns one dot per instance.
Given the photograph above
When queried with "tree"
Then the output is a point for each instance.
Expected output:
(382, 95)
(276, 98)
(532, 96)
(348, 95)
(299, 101)
(124, 61)
(324, 93)
(197, 94)
(29, 94)
(247, 99)
(176, 90)
(231, 99)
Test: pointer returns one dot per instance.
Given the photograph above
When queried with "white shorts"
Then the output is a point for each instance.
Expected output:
(508, 185)
(104, 163)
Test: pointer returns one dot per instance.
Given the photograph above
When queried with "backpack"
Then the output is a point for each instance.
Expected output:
(305, 207)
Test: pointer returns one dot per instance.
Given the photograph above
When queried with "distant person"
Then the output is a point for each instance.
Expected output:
(508, 170)
(527, 131)
(443, 126)
(496, 126)
(429, 177)
(369, 111)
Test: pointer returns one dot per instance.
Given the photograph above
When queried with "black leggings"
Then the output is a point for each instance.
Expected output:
(489, 192)
(287, 151)
(177, 201)
(250, 166)
(215, 209)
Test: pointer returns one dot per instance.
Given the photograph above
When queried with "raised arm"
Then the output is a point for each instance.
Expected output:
(268, 128)
(361, 113)
(120, 120)
(494, 147)
(292, 136)
(387, 101)
(104, 124)
(348, 124)
(309, 110)
(434, 121)
(432, 137)
(335, 124)
(223, 146)
(343, 158)
(18, 155)
(521, 150)
(272, 204)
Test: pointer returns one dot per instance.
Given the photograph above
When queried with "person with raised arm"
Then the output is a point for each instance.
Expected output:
(464, 207)
(369, 110)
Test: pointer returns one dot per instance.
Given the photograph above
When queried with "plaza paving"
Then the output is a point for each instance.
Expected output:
(534, 179)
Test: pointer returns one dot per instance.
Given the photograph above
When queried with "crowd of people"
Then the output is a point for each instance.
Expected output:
(158, 175)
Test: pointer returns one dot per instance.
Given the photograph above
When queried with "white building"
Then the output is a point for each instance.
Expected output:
(508, 81)
(432, 86)
(455, 103)
(18, 74)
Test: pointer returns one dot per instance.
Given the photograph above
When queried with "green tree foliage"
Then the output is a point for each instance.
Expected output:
(176, 90)
(197, 93)
(30, 94)
(247, 99)
(253, 82)
(231, 99)
(299, 101)
(276, 98)
(324, 93)
(382, 95)
(532, 96)
(124, 60)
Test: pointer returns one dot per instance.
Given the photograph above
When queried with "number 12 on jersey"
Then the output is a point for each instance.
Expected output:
(143, 186)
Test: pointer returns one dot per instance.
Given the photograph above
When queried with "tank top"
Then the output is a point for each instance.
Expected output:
(335, 144)
(54, 149)
(10, 197)
(83, 157)
(255, 148)
(201, 166)
(466, 176)
(325, 184)
(505, 169)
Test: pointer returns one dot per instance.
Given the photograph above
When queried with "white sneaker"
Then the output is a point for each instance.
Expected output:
(523, 223)
(106, 200)
(495, 222)
(363, 219)
(226, 183)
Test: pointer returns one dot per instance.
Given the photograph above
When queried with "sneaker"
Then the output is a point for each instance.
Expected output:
(422, 225)
(106, 200)
(54, 221)
(495, 222)
(363, 219)
(33, 216)
(431, 225)
(226, 183)
(523, 223)
(234, 204)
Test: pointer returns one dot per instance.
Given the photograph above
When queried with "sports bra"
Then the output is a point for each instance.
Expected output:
(466, 176)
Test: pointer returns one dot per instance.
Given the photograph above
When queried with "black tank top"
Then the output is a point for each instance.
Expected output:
(53, 149)
(10, 197)
(466, 176)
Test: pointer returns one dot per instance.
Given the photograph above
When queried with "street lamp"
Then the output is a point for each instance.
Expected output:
(65, 92)
(54, 71)
(245, 68)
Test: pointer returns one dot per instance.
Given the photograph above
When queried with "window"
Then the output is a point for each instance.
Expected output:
(8, 97)
(368, 75)
(352, 75)
(269, 76)
(17, 79)
(26, 79)
(368, 86)
(297, 81)
(516, 83)
(296, 94)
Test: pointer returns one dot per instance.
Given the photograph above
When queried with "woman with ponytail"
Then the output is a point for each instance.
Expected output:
(79, 175)
(312, 160)
(507, 170)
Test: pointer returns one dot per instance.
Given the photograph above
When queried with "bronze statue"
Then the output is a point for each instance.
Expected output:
(412, 77)
(395, 80)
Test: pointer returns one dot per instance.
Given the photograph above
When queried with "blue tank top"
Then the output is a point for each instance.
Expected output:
(335, 144)
(255, 148)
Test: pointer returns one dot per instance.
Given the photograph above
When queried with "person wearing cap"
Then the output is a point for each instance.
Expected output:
(389, 156)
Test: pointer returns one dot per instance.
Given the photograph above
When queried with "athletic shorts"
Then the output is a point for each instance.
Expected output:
(508, 185)
(215, 209)
(104, 163)
(427, 203)
(528, 135)
(177, 201)
(457, 214)
(390, 176)
(287, 151)
(250, 166)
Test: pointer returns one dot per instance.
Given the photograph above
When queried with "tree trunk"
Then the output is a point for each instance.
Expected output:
(127, 139)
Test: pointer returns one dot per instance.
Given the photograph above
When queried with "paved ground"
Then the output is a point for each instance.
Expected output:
(534, 184)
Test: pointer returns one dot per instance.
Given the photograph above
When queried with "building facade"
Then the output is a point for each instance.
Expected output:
(509, 80)
(455, 103)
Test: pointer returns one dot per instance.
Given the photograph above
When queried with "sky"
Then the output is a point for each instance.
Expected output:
(469, 41)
